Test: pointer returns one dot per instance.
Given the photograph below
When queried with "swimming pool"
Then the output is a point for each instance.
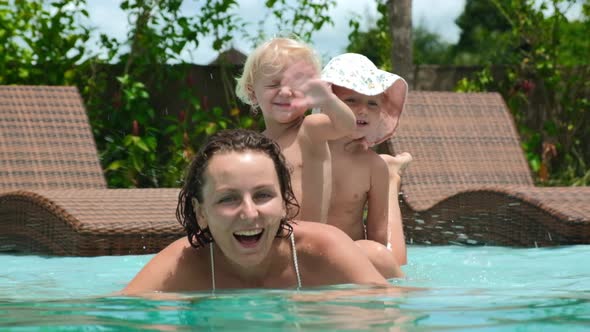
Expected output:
(466, 288)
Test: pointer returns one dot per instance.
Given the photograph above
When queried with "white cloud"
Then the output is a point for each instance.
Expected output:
(107, 17)
(439, 17)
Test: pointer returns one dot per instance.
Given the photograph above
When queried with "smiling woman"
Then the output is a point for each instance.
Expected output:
(237, 207)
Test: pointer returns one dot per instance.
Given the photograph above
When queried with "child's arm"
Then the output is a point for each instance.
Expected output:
(336, 120)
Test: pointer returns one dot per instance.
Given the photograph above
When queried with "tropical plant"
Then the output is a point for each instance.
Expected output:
(376, 42)
(41, 41)
(124, 81)
(545, 85)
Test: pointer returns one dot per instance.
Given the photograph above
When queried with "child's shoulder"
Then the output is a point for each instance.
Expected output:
(366, 161)
(371, 161)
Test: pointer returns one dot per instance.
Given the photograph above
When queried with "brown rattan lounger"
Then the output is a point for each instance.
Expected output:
(469, 182)
(53, 195)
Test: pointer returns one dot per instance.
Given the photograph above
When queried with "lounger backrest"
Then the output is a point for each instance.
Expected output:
(45, 140)
(458, 141)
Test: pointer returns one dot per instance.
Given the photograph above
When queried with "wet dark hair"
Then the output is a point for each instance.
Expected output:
(234, 140)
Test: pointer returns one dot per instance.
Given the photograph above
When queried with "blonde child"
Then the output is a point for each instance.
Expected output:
(362, 178)
(282, 78)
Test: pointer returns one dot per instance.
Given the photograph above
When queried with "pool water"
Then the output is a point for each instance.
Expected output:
(463, 289)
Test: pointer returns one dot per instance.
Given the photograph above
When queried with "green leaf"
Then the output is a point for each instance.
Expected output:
(218, 112)
(246, 122)
(535, 163)
(211, 128)
(129, 140)
(142, 145)
(151, 142)
(551, 128)
(115, 165)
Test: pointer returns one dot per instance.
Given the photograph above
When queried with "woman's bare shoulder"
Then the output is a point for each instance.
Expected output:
(182, 256)
(175, 250)
(168, 270)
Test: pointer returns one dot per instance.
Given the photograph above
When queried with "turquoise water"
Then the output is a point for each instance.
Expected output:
(464, 289)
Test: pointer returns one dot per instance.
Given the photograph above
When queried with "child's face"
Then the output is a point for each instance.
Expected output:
(365, 108)
(274, 98)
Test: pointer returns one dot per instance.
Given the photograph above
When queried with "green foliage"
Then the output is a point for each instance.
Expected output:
(428, 47)
(155, 153)
(533, 55)
(128, 127)
(541, 44)
(190, 127)
(574, 47)
(364, 42)
(129, 152)
(484, 34)
(480, 82)
(300, 18)
(40, 41)
(140, 144)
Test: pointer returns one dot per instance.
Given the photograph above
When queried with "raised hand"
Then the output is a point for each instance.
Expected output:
(309, 91)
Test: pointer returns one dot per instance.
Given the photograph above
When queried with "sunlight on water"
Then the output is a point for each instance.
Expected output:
(462, 288)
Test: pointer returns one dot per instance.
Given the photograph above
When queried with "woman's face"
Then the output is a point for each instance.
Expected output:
(242, 205)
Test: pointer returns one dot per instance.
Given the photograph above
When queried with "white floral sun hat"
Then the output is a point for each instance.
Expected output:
(356, 72)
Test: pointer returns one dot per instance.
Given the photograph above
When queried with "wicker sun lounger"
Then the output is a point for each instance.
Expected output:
(53, 195)
(469, 182)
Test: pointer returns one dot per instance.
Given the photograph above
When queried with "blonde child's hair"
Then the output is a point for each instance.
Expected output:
(270, 58)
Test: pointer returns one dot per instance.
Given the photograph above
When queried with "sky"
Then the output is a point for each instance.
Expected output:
(436, 16)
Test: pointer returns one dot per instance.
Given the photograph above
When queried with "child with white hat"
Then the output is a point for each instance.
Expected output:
(361, 177)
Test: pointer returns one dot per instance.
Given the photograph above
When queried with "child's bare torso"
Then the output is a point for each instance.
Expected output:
(311, 173)
(351, 178)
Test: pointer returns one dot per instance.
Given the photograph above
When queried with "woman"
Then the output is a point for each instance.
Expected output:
(237, 208)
